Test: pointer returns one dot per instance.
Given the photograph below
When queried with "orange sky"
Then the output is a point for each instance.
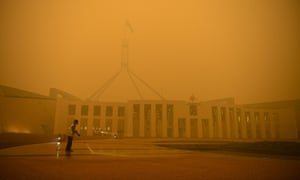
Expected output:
(213, 49)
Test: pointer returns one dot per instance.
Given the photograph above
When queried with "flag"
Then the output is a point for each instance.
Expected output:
(129, 26)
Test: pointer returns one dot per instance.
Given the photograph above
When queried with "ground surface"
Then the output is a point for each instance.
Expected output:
(140, 159)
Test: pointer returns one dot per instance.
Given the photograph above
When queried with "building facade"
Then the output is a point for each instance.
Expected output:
(26, 112)
(222, 119)
(212, 120)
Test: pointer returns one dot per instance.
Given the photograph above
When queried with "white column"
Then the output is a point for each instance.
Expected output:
(142, 120)
(153, 121)
(164, 120)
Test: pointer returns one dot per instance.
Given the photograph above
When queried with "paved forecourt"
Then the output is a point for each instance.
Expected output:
(94, 147)
(135, 159)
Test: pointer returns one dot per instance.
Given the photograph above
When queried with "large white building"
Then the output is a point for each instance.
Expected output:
(216, 119)
(222, 119)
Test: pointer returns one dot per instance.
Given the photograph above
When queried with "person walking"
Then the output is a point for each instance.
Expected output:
(71, 132)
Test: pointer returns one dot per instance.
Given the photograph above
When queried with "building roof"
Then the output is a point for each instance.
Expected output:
(57, 93)
(6, 91)
(275, 104)
(229, 100)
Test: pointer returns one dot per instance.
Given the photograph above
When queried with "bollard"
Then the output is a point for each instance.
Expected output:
(58, 143)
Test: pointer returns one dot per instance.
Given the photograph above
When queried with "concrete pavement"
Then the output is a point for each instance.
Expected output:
(135, 159)
(96, 147)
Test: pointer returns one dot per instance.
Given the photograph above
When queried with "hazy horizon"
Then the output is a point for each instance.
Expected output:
(248, 50)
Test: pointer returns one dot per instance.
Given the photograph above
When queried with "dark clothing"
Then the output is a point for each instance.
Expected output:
(69, 143)
(71, 132)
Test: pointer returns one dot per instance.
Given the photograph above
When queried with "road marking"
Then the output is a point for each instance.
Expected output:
(90, 149)
(106, 154)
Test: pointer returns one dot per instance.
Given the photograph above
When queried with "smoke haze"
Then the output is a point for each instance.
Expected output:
(213, 49)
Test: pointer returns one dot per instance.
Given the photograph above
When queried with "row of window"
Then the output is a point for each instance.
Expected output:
(258, 124)
(260, 131)
(96, 110)
(84, 111)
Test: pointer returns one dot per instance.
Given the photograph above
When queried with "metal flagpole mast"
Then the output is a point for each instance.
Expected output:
(124, 66)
